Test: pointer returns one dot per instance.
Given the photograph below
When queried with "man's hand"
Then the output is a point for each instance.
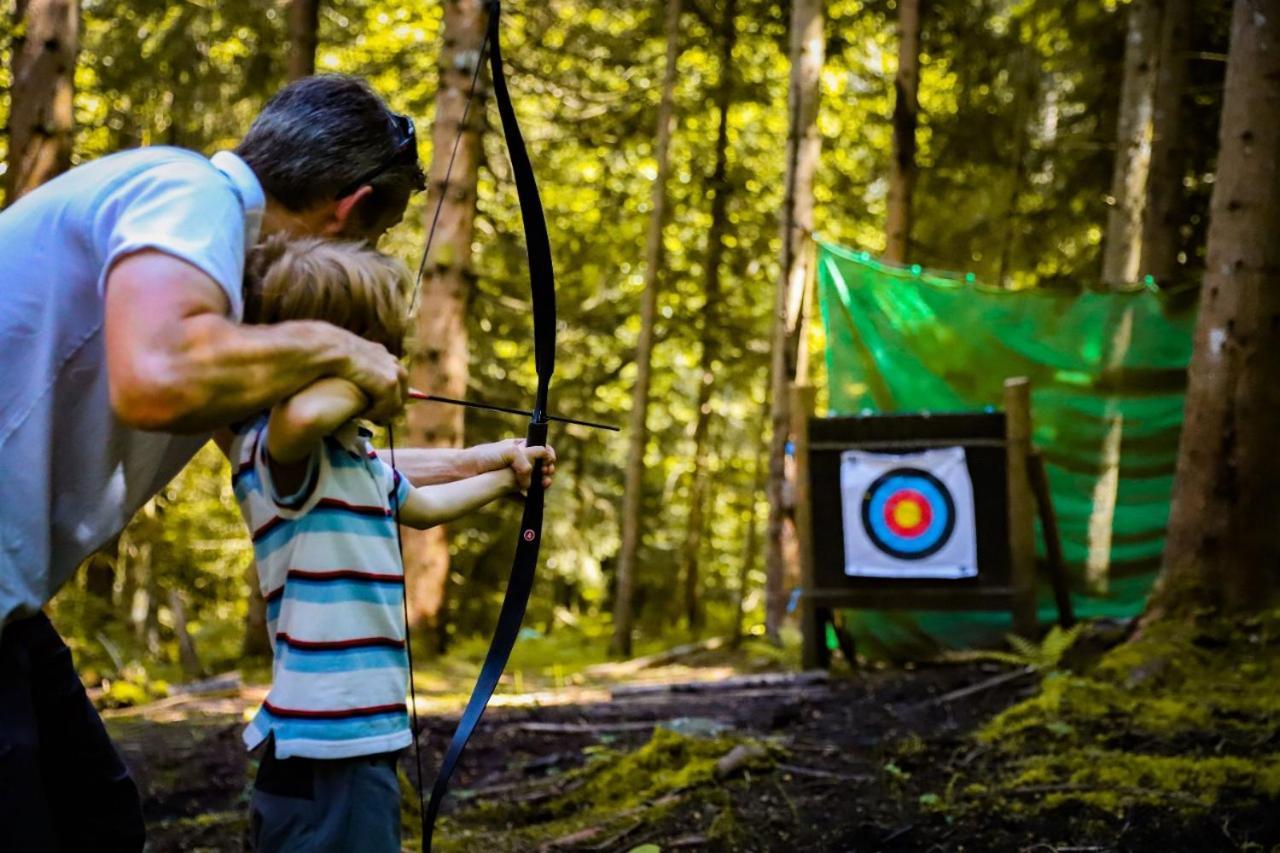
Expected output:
(379, 375)
(512, 453)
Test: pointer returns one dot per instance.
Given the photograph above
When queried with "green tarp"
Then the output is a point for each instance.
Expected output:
(1108, 374)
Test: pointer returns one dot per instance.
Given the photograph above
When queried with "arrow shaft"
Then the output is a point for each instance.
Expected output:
(419, 395)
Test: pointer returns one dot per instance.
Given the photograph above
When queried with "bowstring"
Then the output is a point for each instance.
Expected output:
(408, 639)
(448, 172)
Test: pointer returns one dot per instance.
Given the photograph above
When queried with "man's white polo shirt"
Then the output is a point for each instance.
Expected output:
(71, 475)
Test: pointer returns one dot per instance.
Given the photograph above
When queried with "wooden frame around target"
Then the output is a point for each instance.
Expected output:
(1008, 486)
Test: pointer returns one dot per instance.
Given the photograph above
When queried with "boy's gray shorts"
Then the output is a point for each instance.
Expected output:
(325, 806)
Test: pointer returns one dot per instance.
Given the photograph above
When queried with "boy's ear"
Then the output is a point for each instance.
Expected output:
(343, 212)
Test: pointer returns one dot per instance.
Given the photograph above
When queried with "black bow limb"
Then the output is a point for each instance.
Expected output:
(543, 297)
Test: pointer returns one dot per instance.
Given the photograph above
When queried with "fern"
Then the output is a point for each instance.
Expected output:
(1044, 656)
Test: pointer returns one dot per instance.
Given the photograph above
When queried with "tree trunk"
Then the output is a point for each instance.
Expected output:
(187, 655)
(440, 362)
(256, 643)
(100, 587)
(1025, 78)
(711, 330)
(906, 108)
(304, 26)
(749, 556)
(1222, 549)
(41, 116)
(803, 146)
(1121, 251)
(1164, 185)
(1106, 489)
(638, 439)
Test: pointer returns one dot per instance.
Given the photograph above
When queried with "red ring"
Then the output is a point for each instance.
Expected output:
(902, 496)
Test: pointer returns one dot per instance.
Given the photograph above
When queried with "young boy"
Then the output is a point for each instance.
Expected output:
(321, 506)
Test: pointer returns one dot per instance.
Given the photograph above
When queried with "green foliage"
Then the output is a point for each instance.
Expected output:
(1045, 656)
(189, 542)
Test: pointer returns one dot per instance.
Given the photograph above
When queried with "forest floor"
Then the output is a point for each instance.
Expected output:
(705, 749)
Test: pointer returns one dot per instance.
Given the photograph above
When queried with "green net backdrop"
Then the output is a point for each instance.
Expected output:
(1108, 373)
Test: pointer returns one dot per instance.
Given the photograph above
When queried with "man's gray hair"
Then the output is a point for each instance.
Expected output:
(318, 135)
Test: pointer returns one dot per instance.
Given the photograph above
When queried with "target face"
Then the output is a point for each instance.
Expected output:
(908, 513)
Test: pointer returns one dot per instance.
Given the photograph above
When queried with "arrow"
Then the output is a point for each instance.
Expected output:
(421, 395)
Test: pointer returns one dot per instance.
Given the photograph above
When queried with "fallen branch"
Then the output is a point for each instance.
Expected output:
(526, 792)
(585, 728)
(634, 665)
(982, 686)
(786, 680)
(818, 773)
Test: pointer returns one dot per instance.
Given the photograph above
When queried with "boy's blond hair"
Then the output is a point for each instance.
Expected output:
(347, 284)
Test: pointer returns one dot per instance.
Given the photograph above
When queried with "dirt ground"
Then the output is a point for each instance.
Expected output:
(864, 762)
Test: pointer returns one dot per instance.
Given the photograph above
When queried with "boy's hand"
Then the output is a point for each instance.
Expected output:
(512, 453)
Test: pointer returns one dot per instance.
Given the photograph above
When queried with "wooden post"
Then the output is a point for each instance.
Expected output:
(1022, 534)
(814, 648)
(1052, 540)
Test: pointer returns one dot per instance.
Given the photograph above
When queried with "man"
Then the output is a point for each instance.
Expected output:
(120, 301)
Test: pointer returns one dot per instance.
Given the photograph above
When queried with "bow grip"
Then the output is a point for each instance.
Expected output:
(537, 435)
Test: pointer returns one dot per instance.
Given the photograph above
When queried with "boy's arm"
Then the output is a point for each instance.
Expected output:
(298, 423)
(427, 506)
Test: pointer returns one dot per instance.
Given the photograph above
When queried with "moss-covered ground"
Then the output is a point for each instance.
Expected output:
(1174, 734)
(1167, 742)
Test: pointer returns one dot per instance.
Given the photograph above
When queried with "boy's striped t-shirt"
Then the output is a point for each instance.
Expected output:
(329, 567)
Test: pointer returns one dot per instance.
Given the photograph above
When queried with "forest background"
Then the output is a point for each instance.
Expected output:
(1018, 167)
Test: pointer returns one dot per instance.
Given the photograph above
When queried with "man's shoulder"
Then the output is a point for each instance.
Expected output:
(123, 166)
(164, 165)
(88, 186)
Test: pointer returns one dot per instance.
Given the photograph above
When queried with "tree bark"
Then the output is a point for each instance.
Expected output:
(304, 27)
(906, 109)
(187, 654)
(803, 146)
(1222, 550)
(751, 518)
(440, 361)
(41, 116)
(1123, 243)
(633, 493)
(711, 330)
(256, 643)
(1106, 488)
(100, 586)
(1164, 184)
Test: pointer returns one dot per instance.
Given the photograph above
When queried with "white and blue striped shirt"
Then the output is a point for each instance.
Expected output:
(330, 569)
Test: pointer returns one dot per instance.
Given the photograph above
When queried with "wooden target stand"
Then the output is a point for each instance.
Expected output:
(1010, 487)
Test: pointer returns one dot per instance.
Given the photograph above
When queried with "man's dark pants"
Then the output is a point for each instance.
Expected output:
(63, 786)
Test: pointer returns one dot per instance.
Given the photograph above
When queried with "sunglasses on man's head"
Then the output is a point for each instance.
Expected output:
(406, 151)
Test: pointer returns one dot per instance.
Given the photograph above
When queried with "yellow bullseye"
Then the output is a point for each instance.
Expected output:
(907, 514)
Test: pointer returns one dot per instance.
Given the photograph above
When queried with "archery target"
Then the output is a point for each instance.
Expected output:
(908, 516)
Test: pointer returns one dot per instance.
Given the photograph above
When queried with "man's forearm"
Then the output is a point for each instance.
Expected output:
(430, 466)
(176, 363)
(231, 371)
